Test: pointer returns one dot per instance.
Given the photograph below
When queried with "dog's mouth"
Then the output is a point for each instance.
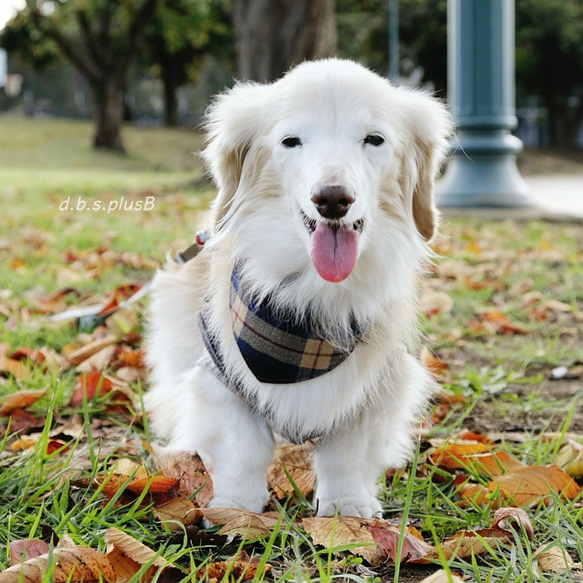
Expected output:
(311, 224)
(334, 247)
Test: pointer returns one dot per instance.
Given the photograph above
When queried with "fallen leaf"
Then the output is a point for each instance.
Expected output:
(432, 363)
(476, 456)
(296, 460)
(435, 302)
(574, 469)
(534, 483)
(239, 568)
(387, 537)
(249, 525)
(11, 366)
(23, 421)
(98, 361)
(345, 531)
(78, 356)
(501, 324)
(26, 549)
(188, 469)
(514, 519)
(66, 565)
(129, 556)
(555, 560)
(442, 576)
(133, 480)
(90, 385)
(176, 512)
(524, 486)
(20, 400)
(466, 544)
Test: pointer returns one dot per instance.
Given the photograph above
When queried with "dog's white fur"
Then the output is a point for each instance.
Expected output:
(368, 405)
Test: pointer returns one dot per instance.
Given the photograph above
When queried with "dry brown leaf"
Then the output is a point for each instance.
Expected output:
(453, 269)
(297, 461)
(70, 564)
(387, 536)
(98, 361)
(239, 568)
(14, 367)
(555, 560)
(442, 576)
(176, 512)
(465, 544)
(188, 469)
(512, 519)
(436, 302)
(339, 531)
(26, 549)
(20, 400)
(432, 363)
(249, 525)
(127, 556)
(91, 348)
(122, 321)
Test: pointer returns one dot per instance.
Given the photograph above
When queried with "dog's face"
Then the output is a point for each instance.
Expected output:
(331, 145)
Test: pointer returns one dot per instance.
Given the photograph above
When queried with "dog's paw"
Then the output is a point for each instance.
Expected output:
(362, 507)
(251, 504)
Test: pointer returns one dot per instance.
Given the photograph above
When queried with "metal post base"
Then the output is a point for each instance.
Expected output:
(484, 181)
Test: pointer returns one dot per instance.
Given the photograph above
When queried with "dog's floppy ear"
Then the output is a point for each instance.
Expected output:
(431, 125)
(232, 122)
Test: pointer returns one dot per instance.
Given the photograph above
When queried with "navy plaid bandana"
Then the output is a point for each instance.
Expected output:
(276, 348)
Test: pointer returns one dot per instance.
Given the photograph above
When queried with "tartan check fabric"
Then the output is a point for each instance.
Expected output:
(277, 349)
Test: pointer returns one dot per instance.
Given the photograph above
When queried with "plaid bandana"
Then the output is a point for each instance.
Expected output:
(276, 348)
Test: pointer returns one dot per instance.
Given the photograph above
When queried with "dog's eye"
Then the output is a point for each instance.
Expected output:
(374, 140)
(291, 142)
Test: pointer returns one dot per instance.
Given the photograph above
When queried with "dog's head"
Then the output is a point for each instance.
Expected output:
(335, 145)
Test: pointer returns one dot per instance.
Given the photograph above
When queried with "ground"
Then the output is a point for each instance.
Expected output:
(502, 320)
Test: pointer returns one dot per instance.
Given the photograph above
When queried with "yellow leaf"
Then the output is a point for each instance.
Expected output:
(249, 525)
(339, 531)
(176, 512)
(555, 560)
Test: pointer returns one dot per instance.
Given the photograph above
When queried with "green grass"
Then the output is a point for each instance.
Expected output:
(503, 379)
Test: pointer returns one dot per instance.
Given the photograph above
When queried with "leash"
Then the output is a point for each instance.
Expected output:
(91, 316)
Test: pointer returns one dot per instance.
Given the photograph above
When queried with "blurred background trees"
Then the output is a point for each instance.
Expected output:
(158, 61)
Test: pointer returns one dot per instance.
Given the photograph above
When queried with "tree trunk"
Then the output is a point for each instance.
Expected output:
(564, 124)
(272, 35)
(170, 82)
(108, 95)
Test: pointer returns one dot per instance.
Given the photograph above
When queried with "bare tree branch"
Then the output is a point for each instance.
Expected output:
(136, 29)
(67, 46)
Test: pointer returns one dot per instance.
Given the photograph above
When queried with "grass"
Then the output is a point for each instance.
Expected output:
(501, 379)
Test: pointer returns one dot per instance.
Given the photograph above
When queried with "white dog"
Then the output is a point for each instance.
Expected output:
(298, 318)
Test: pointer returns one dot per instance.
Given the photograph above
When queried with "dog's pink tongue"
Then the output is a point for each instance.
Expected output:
(334, 251)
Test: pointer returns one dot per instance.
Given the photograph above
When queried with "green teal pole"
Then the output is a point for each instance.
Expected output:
(393, 33)
(482, 169)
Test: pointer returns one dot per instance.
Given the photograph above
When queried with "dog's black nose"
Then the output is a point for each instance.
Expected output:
(332, 201)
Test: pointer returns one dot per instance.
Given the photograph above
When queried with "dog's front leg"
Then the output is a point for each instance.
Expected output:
(236, 445)
(347, 467)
